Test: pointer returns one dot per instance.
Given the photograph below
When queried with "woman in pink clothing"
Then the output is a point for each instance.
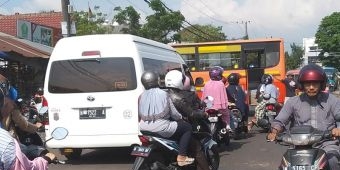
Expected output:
(216, 89)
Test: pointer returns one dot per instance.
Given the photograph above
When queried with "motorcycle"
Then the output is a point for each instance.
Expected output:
(157, 153)
(238, 120)
(270, 112)
(302, 154)
(217, 127)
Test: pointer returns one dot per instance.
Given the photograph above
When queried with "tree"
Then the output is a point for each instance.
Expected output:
(202, 33)
(328, 39)
(130, 18)
(162, 26)
(89, 23)
(294, 60)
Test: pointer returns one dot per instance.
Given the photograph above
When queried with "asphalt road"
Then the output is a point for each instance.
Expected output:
(252, 152)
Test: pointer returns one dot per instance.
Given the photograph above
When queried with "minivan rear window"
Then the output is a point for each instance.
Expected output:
(92, 75)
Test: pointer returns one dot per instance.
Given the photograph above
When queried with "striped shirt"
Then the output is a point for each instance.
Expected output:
(7, 150)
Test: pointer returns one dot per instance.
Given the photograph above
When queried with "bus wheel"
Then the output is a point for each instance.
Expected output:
(75, 155)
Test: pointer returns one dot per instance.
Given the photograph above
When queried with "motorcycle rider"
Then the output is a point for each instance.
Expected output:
(187, 103)
(11, 118)
(266, 87)
(236, 95)
(39, 97)
(158, 114)
(313, 107)
(216, 89)
(12, 158)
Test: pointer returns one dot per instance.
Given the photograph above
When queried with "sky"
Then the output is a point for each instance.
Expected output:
(291, 20)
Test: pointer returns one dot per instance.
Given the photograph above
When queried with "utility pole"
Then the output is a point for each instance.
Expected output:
(66, 16)
(246, 36)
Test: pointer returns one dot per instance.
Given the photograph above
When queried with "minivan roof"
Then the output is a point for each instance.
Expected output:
(119, 38)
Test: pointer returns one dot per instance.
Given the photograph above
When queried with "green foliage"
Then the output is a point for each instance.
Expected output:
(163, 25)
(129, 17)
(328, 39)
(202, 33)
(294, 60)
(88, 24)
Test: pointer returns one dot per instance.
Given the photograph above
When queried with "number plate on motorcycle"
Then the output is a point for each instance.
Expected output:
(213, 119)
(269, 113)
(302, 167)
(92, 113)
(141, 151)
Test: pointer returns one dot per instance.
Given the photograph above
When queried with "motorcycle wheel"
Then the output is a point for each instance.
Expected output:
(213, 157)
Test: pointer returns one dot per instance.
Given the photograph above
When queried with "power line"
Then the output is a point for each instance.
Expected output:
(147, 1)
(4, 3)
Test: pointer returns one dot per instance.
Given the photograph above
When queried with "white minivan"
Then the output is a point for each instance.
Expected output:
(92, 86)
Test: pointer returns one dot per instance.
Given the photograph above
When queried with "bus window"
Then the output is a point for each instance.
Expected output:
(189, 60)
(228, 61)
(255, 59)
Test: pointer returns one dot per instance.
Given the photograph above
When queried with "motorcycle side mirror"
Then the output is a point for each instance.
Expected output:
(59, 133)
(199, 82)
(43, 110)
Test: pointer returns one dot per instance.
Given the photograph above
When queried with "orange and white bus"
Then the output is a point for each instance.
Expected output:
(250, 58)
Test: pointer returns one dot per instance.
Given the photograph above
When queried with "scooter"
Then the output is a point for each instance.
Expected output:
(157, 153)
(271, 111)
(217, 127)
(238, 120)
(302, 154)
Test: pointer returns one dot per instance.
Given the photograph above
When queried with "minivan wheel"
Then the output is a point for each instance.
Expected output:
(75, 155)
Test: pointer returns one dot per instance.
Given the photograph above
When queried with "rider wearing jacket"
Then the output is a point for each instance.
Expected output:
(216, 89)
(188, 104)
(11, 115)
(313, 107)
(236, 95)
(158, 114)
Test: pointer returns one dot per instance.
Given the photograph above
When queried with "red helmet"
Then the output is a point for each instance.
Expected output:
(310, 73)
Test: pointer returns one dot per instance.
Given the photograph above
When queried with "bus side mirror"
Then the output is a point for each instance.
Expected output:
(199, 82)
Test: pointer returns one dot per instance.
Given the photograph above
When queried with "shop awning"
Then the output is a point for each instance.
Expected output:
(10, 44)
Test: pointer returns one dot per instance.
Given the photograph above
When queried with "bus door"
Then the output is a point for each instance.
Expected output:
(254, 59)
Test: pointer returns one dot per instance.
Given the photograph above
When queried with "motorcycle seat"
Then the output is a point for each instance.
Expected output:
(148, 133)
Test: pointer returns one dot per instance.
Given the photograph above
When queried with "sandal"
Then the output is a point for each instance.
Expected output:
(185, 162)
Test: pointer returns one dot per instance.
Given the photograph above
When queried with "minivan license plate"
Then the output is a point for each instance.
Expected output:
(92, 113)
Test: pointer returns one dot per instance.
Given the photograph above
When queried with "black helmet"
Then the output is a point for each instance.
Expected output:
(312, 72)
(40, 90)
(150, 79)
(233, 78)
(266, 79)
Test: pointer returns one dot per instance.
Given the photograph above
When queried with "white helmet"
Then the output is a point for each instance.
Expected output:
(175, 79)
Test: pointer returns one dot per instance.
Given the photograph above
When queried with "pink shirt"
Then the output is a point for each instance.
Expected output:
(217, 90)
(23, 163)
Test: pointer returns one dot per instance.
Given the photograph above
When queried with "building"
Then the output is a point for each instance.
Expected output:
(311, 51)
(23, 59)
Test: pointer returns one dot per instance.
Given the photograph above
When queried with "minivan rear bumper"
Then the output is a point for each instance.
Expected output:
(95, 141)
